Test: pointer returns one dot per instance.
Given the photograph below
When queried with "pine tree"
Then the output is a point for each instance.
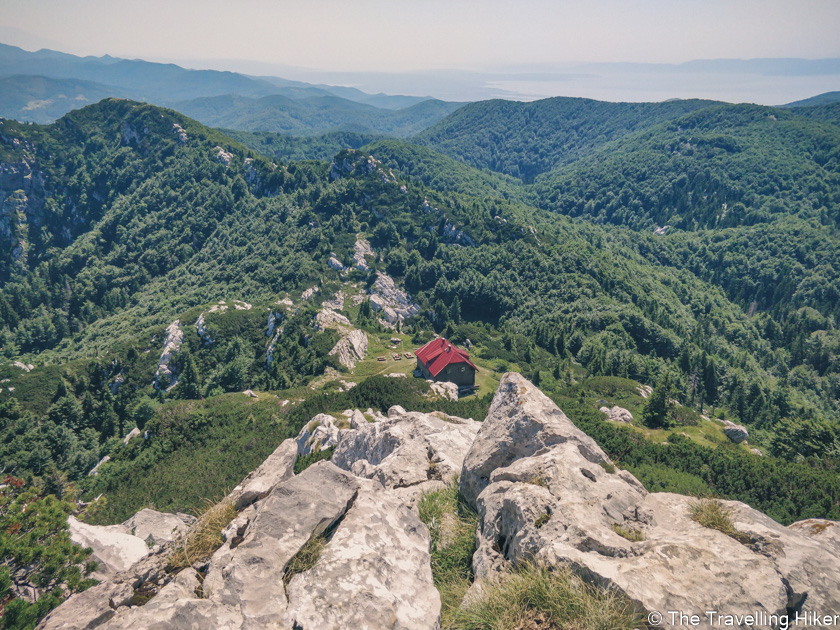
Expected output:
(657, 411)
(455, 310)
(189, 385)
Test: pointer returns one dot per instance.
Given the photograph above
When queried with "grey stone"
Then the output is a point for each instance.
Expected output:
(735, 432)
(548, 498)
(155, 527)
(407, 448)
(374, 573)
(277, 467)
(114, 548)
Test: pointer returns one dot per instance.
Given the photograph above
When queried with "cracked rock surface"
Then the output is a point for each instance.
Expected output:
(543, 489)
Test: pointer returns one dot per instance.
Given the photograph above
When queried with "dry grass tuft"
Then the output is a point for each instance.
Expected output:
(633, 535)
(533, 597)
(204, 537)
(305, 558)
(713, 514)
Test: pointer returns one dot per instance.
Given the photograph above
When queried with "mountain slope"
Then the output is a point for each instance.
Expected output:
(526, 139)
(820, 99)
(133, 221)
(720, 166)
(312, 115)
(43, 100)
(43, 85)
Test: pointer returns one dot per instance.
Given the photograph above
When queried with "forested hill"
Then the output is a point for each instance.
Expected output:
(526, 139)
(720, 166)
(315, 114)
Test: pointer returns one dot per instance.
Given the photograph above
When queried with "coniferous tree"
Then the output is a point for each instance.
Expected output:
(188, 384)
(657, 411)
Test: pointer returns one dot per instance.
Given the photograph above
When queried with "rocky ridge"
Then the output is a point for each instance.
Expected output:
(543, 490)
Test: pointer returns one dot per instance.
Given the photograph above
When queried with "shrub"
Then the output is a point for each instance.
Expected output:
(305, 461)
(608, 466)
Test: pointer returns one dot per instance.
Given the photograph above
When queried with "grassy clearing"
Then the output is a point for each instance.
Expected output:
(713, 514)
(204, 537)
(534, 597)
(452, 526)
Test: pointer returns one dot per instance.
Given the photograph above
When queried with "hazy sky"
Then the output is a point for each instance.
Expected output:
(403, 35)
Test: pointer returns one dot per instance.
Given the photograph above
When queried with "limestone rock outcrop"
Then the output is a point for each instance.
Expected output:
(545, 490)
(155, 527)
(319, 434)
(351, 348)
(114, 547)
(278, 467)
(373, 570)
(617, 414)
(407, 450)
(172, 341)
(542, 489)
(394, 303)
(361, 252)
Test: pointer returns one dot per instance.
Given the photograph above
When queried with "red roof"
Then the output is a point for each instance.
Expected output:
(439, 353)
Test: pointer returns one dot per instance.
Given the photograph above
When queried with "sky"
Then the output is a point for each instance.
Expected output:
(522, 49)
(411, 35)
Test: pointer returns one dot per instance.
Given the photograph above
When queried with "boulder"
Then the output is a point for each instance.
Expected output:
(328, 318)
(178, 606)
(447, 391)
(155, 527)
(374, 573)
(89, 609)
(407, 449)
(95, 470)
(249, 576)
(544, 490)
(114, 548)
(617, 414)
(735, 432)
(335, 263)
(278, 467)
(361, 250)
(531, 422)
(131, 435)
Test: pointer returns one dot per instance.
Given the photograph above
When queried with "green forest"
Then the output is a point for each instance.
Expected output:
(535, 231)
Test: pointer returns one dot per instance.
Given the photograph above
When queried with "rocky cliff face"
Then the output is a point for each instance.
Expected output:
(543, 490)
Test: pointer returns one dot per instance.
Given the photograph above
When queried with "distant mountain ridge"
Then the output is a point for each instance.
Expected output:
(44, 85)
(312, 113)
